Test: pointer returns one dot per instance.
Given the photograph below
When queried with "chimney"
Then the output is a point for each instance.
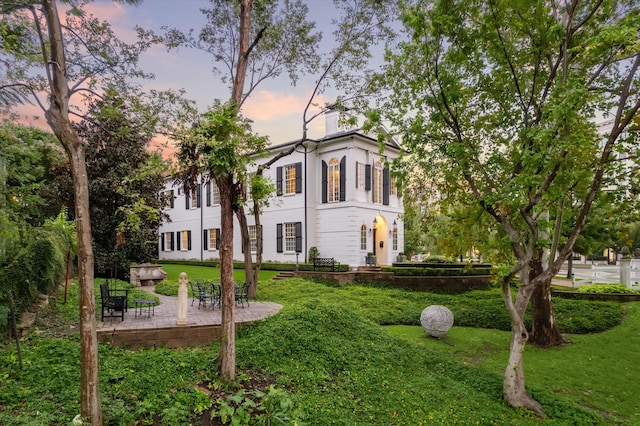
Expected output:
(332, 119)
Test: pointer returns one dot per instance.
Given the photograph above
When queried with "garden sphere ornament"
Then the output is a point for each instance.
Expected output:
(436, 320)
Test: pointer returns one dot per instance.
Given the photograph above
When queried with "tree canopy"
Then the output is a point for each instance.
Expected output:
(498, 104)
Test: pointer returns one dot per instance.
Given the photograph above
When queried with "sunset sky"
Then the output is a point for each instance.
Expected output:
(276, 108)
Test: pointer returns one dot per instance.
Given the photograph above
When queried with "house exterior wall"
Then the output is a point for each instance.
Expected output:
(333, 225)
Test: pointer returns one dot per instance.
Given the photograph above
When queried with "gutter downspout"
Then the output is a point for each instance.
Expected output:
(306, 240)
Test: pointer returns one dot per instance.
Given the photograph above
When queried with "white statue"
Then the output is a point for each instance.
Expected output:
(183, 295)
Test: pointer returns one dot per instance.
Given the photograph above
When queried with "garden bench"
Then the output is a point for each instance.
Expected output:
(325, 262)
(113, 300)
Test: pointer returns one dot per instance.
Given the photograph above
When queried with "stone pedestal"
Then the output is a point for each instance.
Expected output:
(625, 272)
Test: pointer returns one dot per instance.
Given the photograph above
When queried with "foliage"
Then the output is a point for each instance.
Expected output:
(440, 272)
(478, 308)
(125, 183)
(323, 355)
(313, 253)
(606, 288)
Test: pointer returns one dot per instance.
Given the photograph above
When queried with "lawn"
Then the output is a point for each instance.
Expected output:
(332, 363)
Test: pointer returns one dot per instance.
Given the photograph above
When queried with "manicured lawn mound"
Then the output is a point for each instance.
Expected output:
(344, 369)
(479, 308)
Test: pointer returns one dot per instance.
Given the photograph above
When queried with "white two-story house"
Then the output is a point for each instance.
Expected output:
(335, 194)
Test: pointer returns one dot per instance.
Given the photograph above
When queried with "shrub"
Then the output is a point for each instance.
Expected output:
(606, 288)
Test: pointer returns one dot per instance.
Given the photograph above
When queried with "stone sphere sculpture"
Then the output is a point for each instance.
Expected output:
(436, 320)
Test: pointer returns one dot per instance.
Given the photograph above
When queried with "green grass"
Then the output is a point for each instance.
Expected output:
(340, 367)
(595, 370)
(205, 273)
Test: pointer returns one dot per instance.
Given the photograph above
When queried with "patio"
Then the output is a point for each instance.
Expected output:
(160, 329)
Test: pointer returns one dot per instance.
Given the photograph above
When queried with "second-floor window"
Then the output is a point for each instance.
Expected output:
(377, 183)
(253, 238)
(289, 179)
(334, 180)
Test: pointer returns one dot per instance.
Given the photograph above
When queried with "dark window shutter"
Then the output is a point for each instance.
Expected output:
(357, 174)
(162, 242)
(298, 178)
(278, 180)
(187, 196)
(205, 239)
(218, 238)
(172, 198)
(261, 239)
(178, 240)
(298, 237)
(325, 182)
(198, 195)
(343, 178)
(207, 189)
(385, 186)
(188, 240)
(367, 177)
(171, 239)
(279, 238)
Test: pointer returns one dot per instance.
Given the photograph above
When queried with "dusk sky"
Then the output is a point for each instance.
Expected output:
(276, 108)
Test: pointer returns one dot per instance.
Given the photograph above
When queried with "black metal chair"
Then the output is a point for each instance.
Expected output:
(204, 295)
(194, 292)
(113, 300)
(241, 293)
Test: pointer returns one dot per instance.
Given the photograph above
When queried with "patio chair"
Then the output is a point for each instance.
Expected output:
(113, 300)
(242, 293)
(204, 295)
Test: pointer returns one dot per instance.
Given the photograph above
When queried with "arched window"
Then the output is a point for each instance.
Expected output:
(363, 237)
(334, 180)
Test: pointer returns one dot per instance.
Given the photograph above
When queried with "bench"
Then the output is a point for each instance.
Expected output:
(325, 262)
(113, 300)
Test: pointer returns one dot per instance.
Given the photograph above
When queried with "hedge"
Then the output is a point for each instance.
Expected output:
(266, 266)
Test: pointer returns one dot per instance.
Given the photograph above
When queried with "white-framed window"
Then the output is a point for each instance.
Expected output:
(168, 199)
(363, 237)
(334, 180)
(394, 186)
(377, 183)
(168, 241)
(213, 239)
(248, 185)
(253, 238)
(194, 198)
(184, 241)
(394, 237)
(290, 179)
(289, 237)
(215, 194)
(360, 175)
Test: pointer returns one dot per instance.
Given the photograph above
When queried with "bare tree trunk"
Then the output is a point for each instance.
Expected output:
(58, 119)
(258, 264)
(228, 337)
(570, 267)
(544, 328)
(514, 391)
(246, 248)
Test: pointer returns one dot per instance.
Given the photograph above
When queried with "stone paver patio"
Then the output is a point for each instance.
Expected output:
(160, 330)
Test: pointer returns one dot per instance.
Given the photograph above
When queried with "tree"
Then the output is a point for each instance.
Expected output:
(49, 61)
(497, 103)
(125, 183)
(254, 41)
